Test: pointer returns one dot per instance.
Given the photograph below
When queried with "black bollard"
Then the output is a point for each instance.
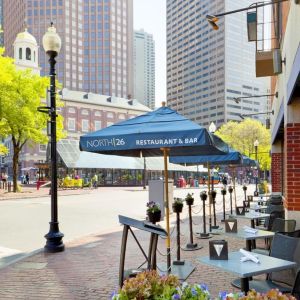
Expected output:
(178, 209)
(230, 190)
(223, 192)
(213, 195)
(191, 246)
(245, 191)
(204, 234)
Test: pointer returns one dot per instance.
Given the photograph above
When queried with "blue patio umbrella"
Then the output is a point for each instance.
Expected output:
(247, 161)
(231, 158)
(160, 131)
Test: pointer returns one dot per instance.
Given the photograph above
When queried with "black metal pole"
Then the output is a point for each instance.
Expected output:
(256, 173)
(213, 195)
(230, 194)
(178, 235)
(54, 236)
(145, 174)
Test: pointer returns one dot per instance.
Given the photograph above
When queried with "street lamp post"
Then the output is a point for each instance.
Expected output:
(212, 128)
(256, 143)
(52, 45)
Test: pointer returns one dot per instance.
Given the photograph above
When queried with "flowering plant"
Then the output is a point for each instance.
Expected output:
(178, 201)
(153, 207)
(149, 285)
(273, 294)
(189, 196)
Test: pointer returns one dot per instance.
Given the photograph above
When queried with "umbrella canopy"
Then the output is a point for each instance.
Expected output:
(146, 134)
(162, 131)
(231, 158)
(247, 161)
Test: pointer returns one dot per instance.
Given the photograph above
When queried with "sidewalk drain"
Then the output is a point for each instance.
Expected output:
(31, 265)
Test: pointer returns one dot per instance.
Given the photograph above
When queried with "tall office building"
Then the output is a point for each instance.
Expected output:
(144, 68)
(206, 69)
(1, 22)
(96, 54)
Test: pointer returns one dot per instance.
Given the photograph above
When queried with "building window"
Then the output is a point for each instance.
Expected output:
(110, 115)
(85, 112)
(28, 54)
(97, 125)
(85, 125)
(43, 148)
(34, 56)
(71, 110)
(122, 117)
(71, 124)
(20, 53)
(97, 113)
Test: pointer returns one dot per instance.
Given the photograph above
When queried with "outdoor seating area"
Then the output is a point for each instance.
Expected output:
(277, 267)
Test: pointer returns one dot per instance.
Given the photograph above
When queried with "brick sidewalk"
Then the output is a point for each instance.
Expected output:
(88, 268)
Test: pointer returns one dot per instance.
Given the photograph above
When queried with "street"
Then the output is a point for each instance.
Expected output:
(24, 222)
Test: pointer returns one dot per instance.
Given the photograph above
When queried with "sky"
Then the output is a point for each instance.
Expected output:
(150, 15)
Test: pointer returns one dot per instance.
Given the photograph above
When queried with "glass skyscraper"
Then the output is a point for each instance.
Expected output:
(96, 54)
(144, 68)
(206, 69)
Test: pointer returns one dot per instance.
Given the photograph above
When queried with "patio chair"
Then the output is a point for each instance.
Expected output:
(269, 221)
(295, 233)
(287, 248)
(283, 225)
(296, 288)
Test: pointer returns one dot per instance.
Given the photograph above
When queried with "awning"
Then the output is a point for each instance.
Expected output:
(72, 157)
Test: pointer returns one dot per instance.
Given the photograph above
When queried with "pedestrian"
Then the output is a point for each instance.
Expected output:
(27, 178)
(95, 181)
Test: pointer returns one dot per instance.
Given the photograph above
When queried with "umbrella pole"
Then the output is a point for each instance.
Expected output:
(209, 196)
(168, 243)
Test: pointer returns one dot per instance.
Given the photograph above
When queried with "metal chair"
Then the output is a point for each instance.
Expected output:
(269, 221)
(287, 248)
(283, 225)
(295, 233)
(296, 288)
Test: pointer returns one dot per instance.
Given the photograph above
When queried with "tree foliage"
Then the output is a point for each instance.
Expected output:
(241, 137)
(21, 93)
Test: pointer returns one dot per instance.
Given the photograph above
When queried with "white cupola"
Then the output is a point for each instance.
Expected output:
(26, 52)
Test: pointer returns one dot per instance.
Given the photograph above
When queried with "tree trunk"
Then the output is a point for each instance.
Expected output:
(15, 168)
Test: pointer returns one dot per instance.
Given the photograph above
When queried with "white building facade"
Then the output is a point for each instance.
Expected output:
(144, 68)
(206, 69)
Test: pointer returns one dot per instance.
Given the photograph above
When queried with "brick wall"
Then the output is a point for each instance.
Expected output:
(276, 170)
(292, 166)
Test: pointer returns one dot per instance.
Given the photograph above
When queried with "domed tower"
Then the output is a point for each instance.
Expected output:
(26, 52)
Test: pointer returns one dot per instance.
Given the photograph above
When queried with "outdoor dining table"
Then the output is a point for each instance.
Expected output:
(249, 237)
(247, 269)
(252, 217)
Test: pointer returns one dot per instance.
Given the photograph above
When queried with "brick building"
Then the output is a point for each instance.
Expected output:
(82, 112)
(286, 119)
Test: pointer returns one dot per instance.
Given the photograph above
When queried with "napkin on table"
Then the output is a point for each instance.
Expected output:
(248, 256)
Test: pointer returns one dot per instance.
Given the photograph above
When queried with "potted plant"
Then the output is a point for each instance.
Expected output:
(223, 191)
(203, 195)
(177, 205)
(230, 189)
(189, 199)
(153, 212)
(150, 285)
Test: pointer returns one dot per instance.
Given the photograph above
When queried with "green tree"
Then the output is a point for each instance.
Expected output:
(21, 93)
(241, 136)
